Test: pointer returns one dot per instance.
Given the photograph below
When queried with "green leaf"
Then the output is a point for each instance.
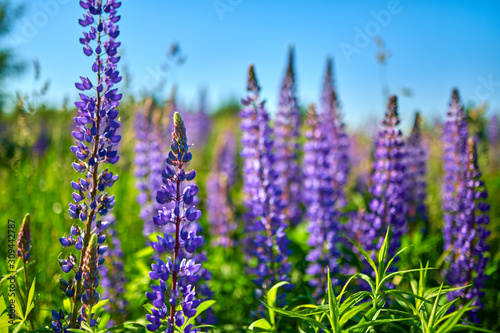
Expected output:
(448, 325)
(365, 254)
(291, 314)
(382, 253)
(271, 299)
(460, 327)
(261, 325)
(18, 327)
(332, 304)
(369, 280)
(100, 304)
(29, 303)
(352, 312)
(434, 307)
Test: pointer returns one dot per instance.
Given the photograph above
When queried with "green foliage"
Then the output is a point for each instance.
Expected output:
(382, 309)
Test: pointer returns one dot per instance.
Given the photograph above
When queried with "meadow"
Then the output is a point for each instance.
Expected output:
(299, 223)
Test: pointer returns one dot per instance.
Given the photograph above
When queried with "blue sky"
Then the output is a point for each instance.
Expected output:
(434, 46)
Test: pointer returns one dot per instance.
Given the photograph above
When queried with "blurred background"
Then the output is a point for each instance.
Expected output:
(197, 53)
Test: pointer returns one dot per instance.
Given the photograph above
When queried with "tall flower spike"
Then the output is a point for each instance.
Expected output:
(287, 146)
(468, 260)
(220, 209)
(388, 207)
(454, 141)
(334, 129)
(416, 163)
(320, 206)
(267, 240)
(24, 239)
(184, 273)
(96, 134)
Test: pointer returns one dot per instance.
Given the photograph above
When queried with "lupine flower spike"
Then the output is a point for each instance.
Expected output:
(320, 205)
(287, 147)
(96, 135)
(219, 206)
(113, 279)
(267, 240)
(468, 256)
(388, 207)
(334, 129)
(416, 163)
(454, 140)
(174, 304)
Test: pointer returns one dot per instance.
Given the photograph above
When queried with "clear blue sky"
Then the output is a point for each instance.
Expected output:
(434, 46)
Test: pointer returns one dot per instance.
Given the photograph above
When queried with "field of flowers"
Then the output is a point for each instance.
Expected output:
(131, 215)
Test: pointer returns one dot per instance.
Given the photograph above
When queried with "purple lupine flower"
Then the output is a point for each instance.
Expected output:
(96, 128)
(267, 240)
(24, 239)
(388, 207)
(416, 164)
(454, 140)
(219, 206)
(185, 272)
(320, 206)
(287, 147)
(113, 279)
(468, 260)
(334, 129)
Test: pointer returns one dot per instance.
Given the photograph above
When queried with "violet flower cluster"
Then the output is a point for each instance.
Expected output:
(320, 205)
(287, 147)
(185, 272)
(113, 280)
(416, 164)
(468, 256)
(267, 240)
(219, 207)
(454, 141)
(149, 149)
(388, 206)
(334, 129)
(24, 240)
(96, 137)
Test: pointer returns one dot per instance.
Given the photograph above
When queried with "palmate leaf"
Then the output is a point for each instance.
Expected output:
(260, 325)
